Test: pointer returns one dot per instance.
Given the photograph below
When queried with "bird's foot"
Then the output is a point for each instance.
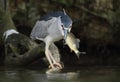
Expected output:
(56, 65)
(53, 70)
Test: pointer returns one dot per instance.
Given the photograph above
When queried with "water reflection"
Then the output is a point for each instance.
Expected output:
(63, 76)
(84, 75)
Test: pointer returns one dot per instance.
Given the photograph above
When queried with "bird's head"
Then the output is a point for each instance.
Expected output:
(66, 30)
(66, 25)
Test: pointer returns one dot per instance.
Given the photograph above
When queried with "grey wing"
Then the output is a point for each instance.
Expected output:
(39, 30)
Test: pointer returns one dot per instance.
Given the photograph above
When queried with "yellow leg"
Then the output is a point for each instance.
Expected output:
(48, 54)
(54, 62)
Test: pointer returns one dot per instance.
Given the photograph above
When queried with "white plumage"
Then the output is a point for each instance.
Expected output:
(50, 28)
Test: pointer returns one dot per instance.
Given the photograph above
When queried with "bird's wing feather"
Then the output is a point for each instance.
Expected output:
(39, 30)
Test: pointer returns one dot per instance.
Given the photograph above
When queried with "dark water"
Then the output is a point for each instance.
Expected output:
(89, 74)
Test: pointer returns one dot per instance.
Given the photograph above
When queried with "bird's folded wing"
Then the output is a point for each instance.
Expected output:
(39, 30)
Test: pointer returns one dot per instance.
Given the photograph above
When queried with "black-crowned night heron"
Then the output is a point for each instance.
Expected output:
(52, 27)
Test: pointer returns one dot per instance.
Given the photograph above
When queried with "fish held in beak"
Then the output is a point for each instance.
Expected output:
(73, 44)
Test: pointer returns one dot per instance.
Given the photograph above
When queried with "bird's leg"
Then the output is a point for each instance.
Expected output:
(49, 58)
(54, 62)
(48, 54)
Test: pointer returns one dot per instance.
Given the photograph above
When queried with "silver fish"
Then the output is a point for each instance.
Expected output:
(73, 44)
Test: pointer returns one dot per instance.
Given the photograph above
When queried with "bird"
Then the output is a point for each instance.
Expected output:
(52, 27)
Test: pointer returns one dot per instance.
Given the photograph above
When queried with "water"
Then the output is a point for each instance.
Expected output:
(89, 74)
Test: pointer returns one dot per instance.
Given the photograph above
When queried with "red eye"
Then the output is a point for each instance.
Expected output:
(62, 27)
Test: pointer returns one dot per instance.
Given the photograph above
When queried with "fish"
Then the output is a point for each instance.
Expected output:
(73, 43)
